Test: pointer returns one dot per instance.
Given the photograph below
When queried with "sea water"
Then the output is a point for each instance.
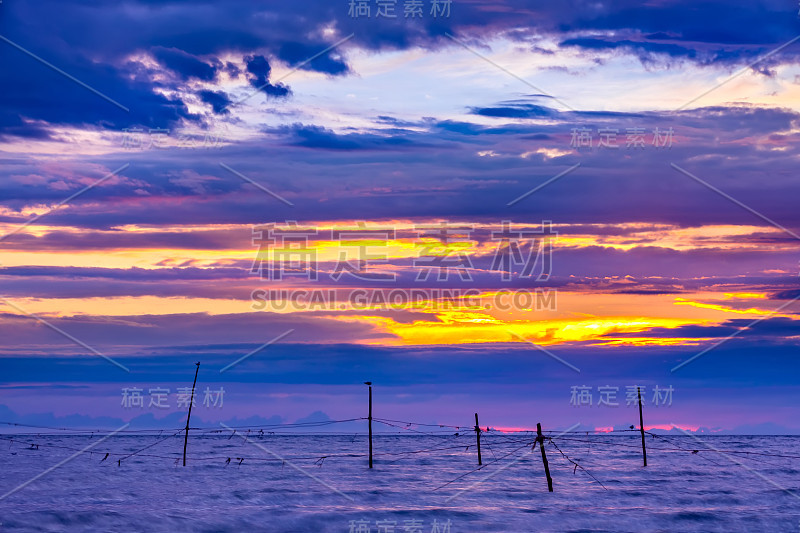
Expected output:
(310, 483)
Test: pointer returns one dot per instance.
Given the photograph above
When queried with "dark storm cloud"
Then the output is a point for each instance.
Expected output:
(34, 92)
(93, 40)
(311, 136)
(297, 53)
(183, 64)
(514, 111)
(218, 101)
(259, 69)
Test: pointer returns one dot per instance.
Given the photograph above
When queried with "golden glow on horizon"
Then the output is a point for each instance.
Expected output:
(653, 341)
(453, 328)
(405, 246)
(437, 322)
(726, 309)
(127, 306)
(590, 312)
(745, 296)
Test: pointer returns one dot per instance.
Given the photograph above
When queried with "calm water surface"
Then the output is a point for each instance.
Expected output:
(284, 484)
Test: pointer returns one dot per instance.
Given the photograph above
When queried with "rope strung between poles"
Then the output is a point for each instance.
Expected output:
(573, 462)
(389, 421)
(125, 455)
(501, 440)
(119, 461)
(533, 444)
(85, 430)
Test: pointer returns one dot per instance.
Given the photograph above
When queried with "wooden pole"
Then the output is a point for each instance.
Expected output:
(540, 439)
(186, 437)
(641, 426)
(478, 436)
(370, 422)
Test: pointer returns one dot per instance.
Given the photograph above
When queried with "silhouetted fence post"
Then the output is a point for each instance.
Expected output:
(641, 426)
(369, 383)
(191, 401)
(478, 436)
(540, 440)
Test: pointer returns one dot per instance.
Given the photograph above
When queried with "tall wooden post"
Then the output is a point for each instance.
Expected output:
(641, 426)
(478, 436)
(191, 401)
(370, 421)
(540, 440)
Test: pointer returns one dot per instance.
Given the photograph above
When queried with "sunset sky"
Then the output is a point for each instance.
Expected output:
(145, 144)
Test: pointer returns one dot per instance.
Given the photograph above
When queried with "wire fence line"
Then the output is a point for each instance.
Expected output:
(453, 440)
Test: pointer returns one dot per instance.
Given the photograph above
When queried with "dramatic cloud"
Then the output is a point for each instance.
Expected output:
(669, 174)
(184, 65)
(260, 70)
